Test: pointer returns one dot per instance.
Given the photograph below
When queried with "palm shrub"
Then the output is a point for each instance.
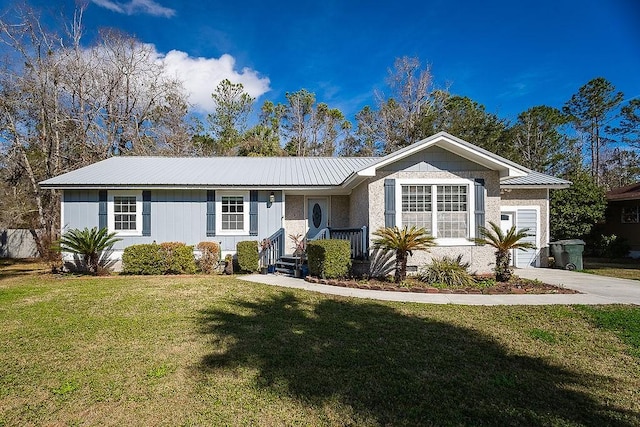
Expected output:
(403, 241)
(448, 271)
(503, 243)
(90, 244)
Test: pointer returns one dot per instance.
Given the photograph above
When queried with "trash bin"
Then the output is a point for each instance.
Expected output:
(567, 253)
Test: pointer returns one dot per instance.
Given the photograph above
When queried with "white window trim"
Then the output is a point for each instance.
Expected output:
(111, 214)
(245, 200)
(441, 181)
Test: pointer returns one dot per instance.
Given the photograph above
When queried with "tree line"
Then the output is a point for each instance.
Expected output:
(66, 104)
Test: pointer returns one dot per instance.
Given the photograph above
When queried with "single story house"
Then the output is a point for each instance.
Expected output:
(623, 216)
(442, 183)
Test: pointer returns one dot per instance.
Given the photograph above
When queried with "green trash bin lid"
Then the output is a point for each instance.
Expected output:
(571, 242)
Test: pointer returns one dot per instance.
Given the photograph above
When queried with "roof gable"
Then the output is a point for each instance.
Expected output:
(454, 145)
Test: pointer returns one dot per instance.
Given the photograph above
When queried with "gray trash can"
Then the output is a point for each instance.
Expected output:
(567, 254)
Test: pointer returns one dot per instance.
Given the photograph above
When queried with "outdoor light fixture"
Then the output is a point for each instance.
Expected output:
(272, 197)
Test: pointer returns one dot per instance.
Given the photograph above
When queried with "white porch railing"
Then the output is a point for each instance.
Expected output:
(358, 237)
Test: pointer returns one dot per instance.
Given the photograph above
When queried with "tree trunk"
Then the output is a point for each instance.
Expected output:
(401, 267)
(503, 266)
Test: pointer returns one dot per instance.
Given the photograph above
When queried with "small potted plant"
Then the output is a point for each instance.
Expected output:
(265, 246)
(299, 243)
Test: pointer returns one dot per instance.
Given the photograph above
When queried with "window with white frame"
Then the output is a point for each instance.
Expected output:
(416, 205)
(453, 215)
(232, 212)
(442, 208)
(125, 212)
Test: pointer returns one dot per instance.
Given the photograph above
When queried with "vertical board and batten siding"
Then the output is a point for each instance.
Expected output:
(175, 216)
(527, 218)
(81, 209)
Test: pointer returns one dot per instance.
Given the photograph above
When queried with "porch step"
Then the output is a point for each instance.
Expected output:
(287, 264)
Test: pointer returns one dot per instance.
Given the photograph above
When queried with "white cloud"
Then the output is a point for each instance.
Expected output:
(200, 76)
(136, 6)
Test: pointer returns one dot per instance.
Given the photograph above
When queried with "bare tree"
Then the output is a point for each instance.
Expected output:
(63, 106)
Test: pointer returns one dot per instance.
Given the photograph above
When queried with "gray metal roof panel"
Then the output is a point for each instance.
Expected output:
(213, 171)
(535, 179)
(237, 171)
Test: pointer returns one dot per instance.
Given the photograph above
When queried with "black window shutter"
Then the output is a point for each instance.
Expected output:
(389, 202)
(479, 201)
(102, 209)
(211, 213)
(253, 212)
(146, 213)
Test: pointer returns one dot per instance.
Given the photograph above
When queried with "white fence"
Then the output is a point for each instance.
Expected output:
(17, 243)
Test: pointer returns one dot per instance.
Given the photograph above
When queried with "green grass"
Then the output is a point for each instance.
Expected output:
(630, 269)
(220, 351)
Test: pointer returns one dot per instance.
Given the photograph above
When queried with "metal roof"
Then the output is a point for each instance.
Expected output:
(272, 171)
(213, 171)
(534, 179)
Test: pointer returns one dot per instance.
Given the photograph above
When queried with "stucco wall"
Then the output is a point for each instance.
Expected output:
(339, 212)
(294, 220)
(481, 257)
(359, 206)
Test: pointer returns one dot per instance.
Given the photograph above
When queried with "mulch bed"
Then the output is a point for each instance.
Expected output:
(517, 287)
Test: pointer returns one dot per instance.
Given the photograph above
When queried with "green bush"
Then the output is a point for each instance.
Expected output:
(143, 259)
(608, 246)
(248, 256)
(329, 259)
(447, 271)
(165, 258)
(209, 256)
(178, 258)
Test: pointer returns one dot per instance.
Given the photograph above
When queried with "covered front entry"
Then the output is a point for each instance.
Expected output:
(317, 215)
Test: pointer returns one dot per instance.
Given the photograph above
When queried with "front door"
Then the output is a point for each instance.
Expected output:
(507, 220)
(318, 215)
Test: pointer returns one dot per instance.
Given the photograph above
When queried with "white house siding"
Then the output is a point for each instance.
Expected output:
(482, 258)
(532, 211)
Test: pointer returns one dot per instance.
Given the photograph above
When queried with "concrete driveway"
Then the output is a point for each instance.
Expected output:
(595, 290)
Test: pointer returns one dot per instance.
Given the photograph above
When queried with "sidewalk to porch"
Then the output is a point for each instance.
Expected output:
(595, 290)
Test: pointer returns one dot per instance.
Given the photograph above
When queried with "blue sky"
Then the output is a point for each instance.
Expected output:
(507, 55)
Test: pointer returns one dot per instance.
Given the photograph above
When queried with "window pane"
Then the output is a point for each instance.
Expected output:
(416, 206)
(124, 208)
(232, 213)
(453, 214)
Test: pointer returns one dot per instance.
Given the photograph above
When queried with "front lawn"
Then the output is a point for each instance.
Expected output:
(623, 269)
(219, 351)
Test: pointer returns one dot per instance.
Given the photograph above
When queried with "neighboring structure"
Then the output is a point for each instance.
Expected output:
(442, 183)
(17, 243)
(623, 216)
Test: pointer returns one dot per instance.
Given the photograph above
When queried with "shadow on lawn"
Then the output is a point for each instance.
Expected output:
(13, 268)
(396, 369)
